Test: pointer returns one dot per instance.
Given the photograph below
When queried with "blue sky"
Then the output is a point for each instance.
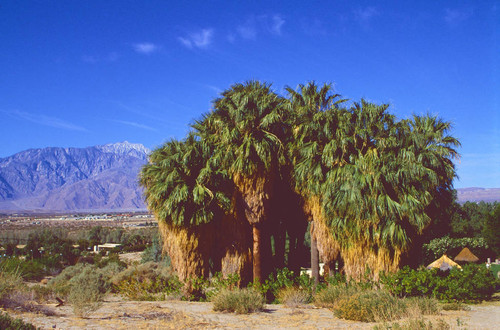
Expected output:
(82, 73)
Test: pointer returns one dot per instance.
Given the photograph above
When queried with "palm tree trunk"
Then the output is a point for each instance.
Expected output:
(314, 256)
(257, 243)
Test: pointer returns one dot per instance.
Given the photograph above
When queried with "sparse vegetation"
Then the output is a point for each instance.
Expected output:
(87, 290)
(241, 301)
(415, 324)
(9, 323)
(294, 297)
(148, 281)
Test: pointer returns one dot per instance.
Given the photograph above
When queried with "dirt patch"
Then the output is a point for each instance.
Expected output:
(118, 314)
(131, 257)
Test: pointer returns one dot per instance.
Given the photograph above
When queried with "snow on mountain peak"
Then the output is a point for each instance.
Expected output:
(125, 148)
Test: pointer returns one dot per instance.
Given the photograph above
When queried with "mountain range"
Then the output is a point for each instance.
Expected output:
(98, 178)
(73, 179)
(478, 194)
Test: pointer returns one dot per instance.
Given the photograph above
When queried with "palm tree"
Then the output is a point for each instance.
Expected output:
(377, 197)
(314, 124)
(189, 199)
(245, 128)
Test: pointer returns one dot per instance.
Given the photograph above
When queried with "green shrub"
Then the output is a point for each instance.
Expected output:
(113, 258)
(60, 284)
(241, 301)
(111, 269)
(86, 291)
(149, 281)
(282, 279)
(218, 282)
(28, 269)
(473, 283)
(9, 323)
(195, 289)
(10, 282)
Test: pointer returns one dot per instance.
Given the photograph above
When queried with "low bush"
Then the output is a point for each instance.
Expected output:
(10, 281)
(149, 281)
(241, 301)
(369, 306)
(9, 323)
(280, 280)
(28, 269)
(328, 296)
(294, 297)
(60, 284)
(42, 293)
(473, 283)
(86, 291)
(113, 258)
(361, 302)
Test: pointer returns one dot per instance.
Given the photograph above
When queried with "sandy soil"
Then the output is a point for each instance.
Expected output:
(118, 314)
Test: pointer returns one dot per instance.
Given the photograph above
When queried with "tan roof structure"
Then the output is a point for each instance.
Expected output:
(443, 263)
(466, 256)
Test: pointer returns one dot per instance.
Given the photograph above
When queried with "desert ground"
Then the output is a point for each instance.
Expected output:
(117, 313)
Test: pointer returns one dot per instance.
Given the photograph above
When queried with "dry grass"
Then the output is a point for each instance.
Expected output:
(294, 297)
(241, 301)
(353, 302)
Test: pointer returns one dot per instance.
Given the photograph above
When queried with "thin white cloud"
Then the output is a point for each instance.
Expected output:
(45, 120)
(364, 15)
(136, 125)
(254, 26)
(201, 39)
(277, 24)
(454, 17)
(145, 48)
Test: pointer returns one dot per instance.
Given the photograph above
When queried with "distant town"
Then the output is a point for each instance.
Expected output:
(75, 220)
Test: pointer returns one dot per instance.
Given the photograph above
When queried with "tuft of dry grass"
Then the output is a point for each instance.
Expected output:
(353, 302)
(294, 297)
(328, 297)
(415, 324)
(241, 301)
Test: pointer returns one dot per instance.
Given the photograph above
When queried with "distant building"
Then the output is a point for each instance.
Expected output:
(105, 247)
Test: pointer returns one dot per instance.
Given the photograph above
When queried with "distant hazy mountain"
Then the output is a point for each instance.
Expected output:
(70, 179)
(478, 195)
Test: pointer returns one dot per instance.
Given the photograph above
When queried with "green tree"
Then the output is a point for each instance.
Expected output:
(187, 198)
(387, 175)
(314, 122)
(246, 128)
(491, 230)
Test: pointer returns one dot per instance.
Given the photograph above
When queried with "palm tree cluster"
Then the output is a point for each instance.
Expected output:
(237, 194)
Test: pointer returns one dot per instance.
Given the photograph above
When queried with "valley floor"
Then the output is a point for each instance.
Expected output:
(116, 313)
